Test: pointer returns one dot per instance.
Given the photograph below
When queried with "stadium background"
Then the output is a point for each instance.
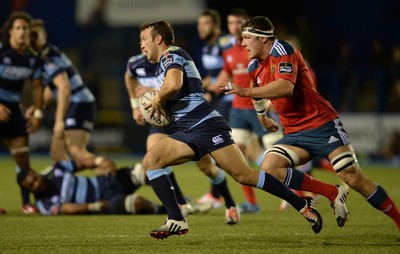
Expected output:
(350, 45)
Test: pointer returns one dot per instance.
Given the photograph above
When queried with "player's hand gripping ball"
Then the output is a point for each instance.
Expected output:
(164, 120)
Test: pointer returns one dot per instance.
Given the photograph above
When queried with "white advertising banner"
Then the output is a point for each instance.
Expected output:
(369, 132)
(134, 12)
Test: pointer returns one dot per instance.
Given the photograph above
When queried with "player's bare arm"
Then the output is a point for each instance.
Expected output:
(223, 76)
(61, 81)
(277, 89)
(87, 208)
(132, 85)
(4, 113)
(35, 121)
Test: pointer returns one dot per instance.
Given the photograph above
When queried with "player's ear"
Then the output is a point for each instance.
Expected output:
(264, 40)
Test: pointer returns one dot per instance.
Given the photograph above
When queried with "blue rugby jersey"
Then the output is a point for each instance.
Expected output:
(55, 62)
(15, 69)
(65, 187)
(140, 68)
(188, 106)
(211, 57)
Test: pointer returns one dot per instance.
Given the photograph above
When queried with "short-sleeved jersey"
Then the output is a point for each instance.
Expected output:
(140, 68)
(306, 108)
(236, 61)
(55, 62)
(65, 187)
(211, 57)
(15, 69)
(188, 106)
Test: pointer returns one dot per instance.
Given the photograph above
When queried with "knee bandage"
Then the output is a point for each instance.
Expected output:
(344, 161)
(284, 152)
(24, 149)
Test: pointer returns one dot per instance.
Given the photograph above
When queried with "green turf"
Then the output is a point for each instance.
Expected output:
(270, 231)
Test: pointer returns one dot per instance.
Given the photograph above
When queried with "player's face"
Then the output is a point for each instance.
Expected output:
(253, 45)
(19, 33)
(205, 27)
(37, 37)
(235, 26)
(148, 45)
(34, 182)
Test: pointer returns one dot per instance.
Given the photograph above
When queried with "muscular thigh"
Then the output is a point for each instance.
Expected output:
(153, 139)
(167, 152)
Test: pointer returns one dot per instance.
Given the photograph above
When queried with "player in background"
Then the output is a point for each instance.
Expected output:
(75, 111)
(58, 191)
(18, 64)
(312, 127)
(140, 77)
(209, 31)
(201, 130)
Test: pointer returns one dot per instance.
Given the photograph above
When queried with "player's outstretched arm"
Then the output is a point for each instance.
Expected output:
(87, 208)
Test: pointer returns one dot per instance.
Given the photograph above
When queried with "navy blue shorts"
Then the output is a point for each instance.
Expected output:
(246, 119)
(167, 131)
(206, 137)
(80, 116)
(319, 142)
(15, 127)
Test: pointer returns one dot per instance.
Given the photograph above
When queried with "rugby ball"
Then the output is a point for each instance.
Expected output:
(165, 117)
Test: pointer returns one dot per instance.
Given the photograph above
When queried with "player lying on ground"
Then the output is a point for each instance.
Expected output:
(60, 191)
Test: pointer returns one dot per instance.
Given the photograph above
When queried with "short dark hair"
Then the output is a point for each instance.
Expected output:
(215, 17)
(259, 22)
(5, 38)
(239, 12)
(162, 28)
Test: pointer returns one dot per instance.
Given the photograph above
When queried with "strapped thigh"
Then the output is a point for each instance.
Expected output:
(284, 152)
(343, 161)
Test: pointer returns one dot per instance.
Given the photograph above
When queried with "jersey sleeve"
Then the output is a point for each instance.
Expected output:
(67, 166)
(48, 207)
(286, 67)
(53, 66)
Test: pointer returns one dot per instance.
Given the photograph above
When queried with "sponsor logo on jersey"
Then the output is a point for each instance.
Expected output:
(285, 68)
(258, 80)
(167, 60)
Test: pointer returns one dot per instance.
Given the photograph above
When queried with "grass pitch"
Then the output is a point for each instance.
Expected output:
(270, 231)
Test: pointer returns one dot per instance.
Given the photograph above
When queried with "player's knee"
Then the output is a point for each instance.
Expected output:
(243, 177)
